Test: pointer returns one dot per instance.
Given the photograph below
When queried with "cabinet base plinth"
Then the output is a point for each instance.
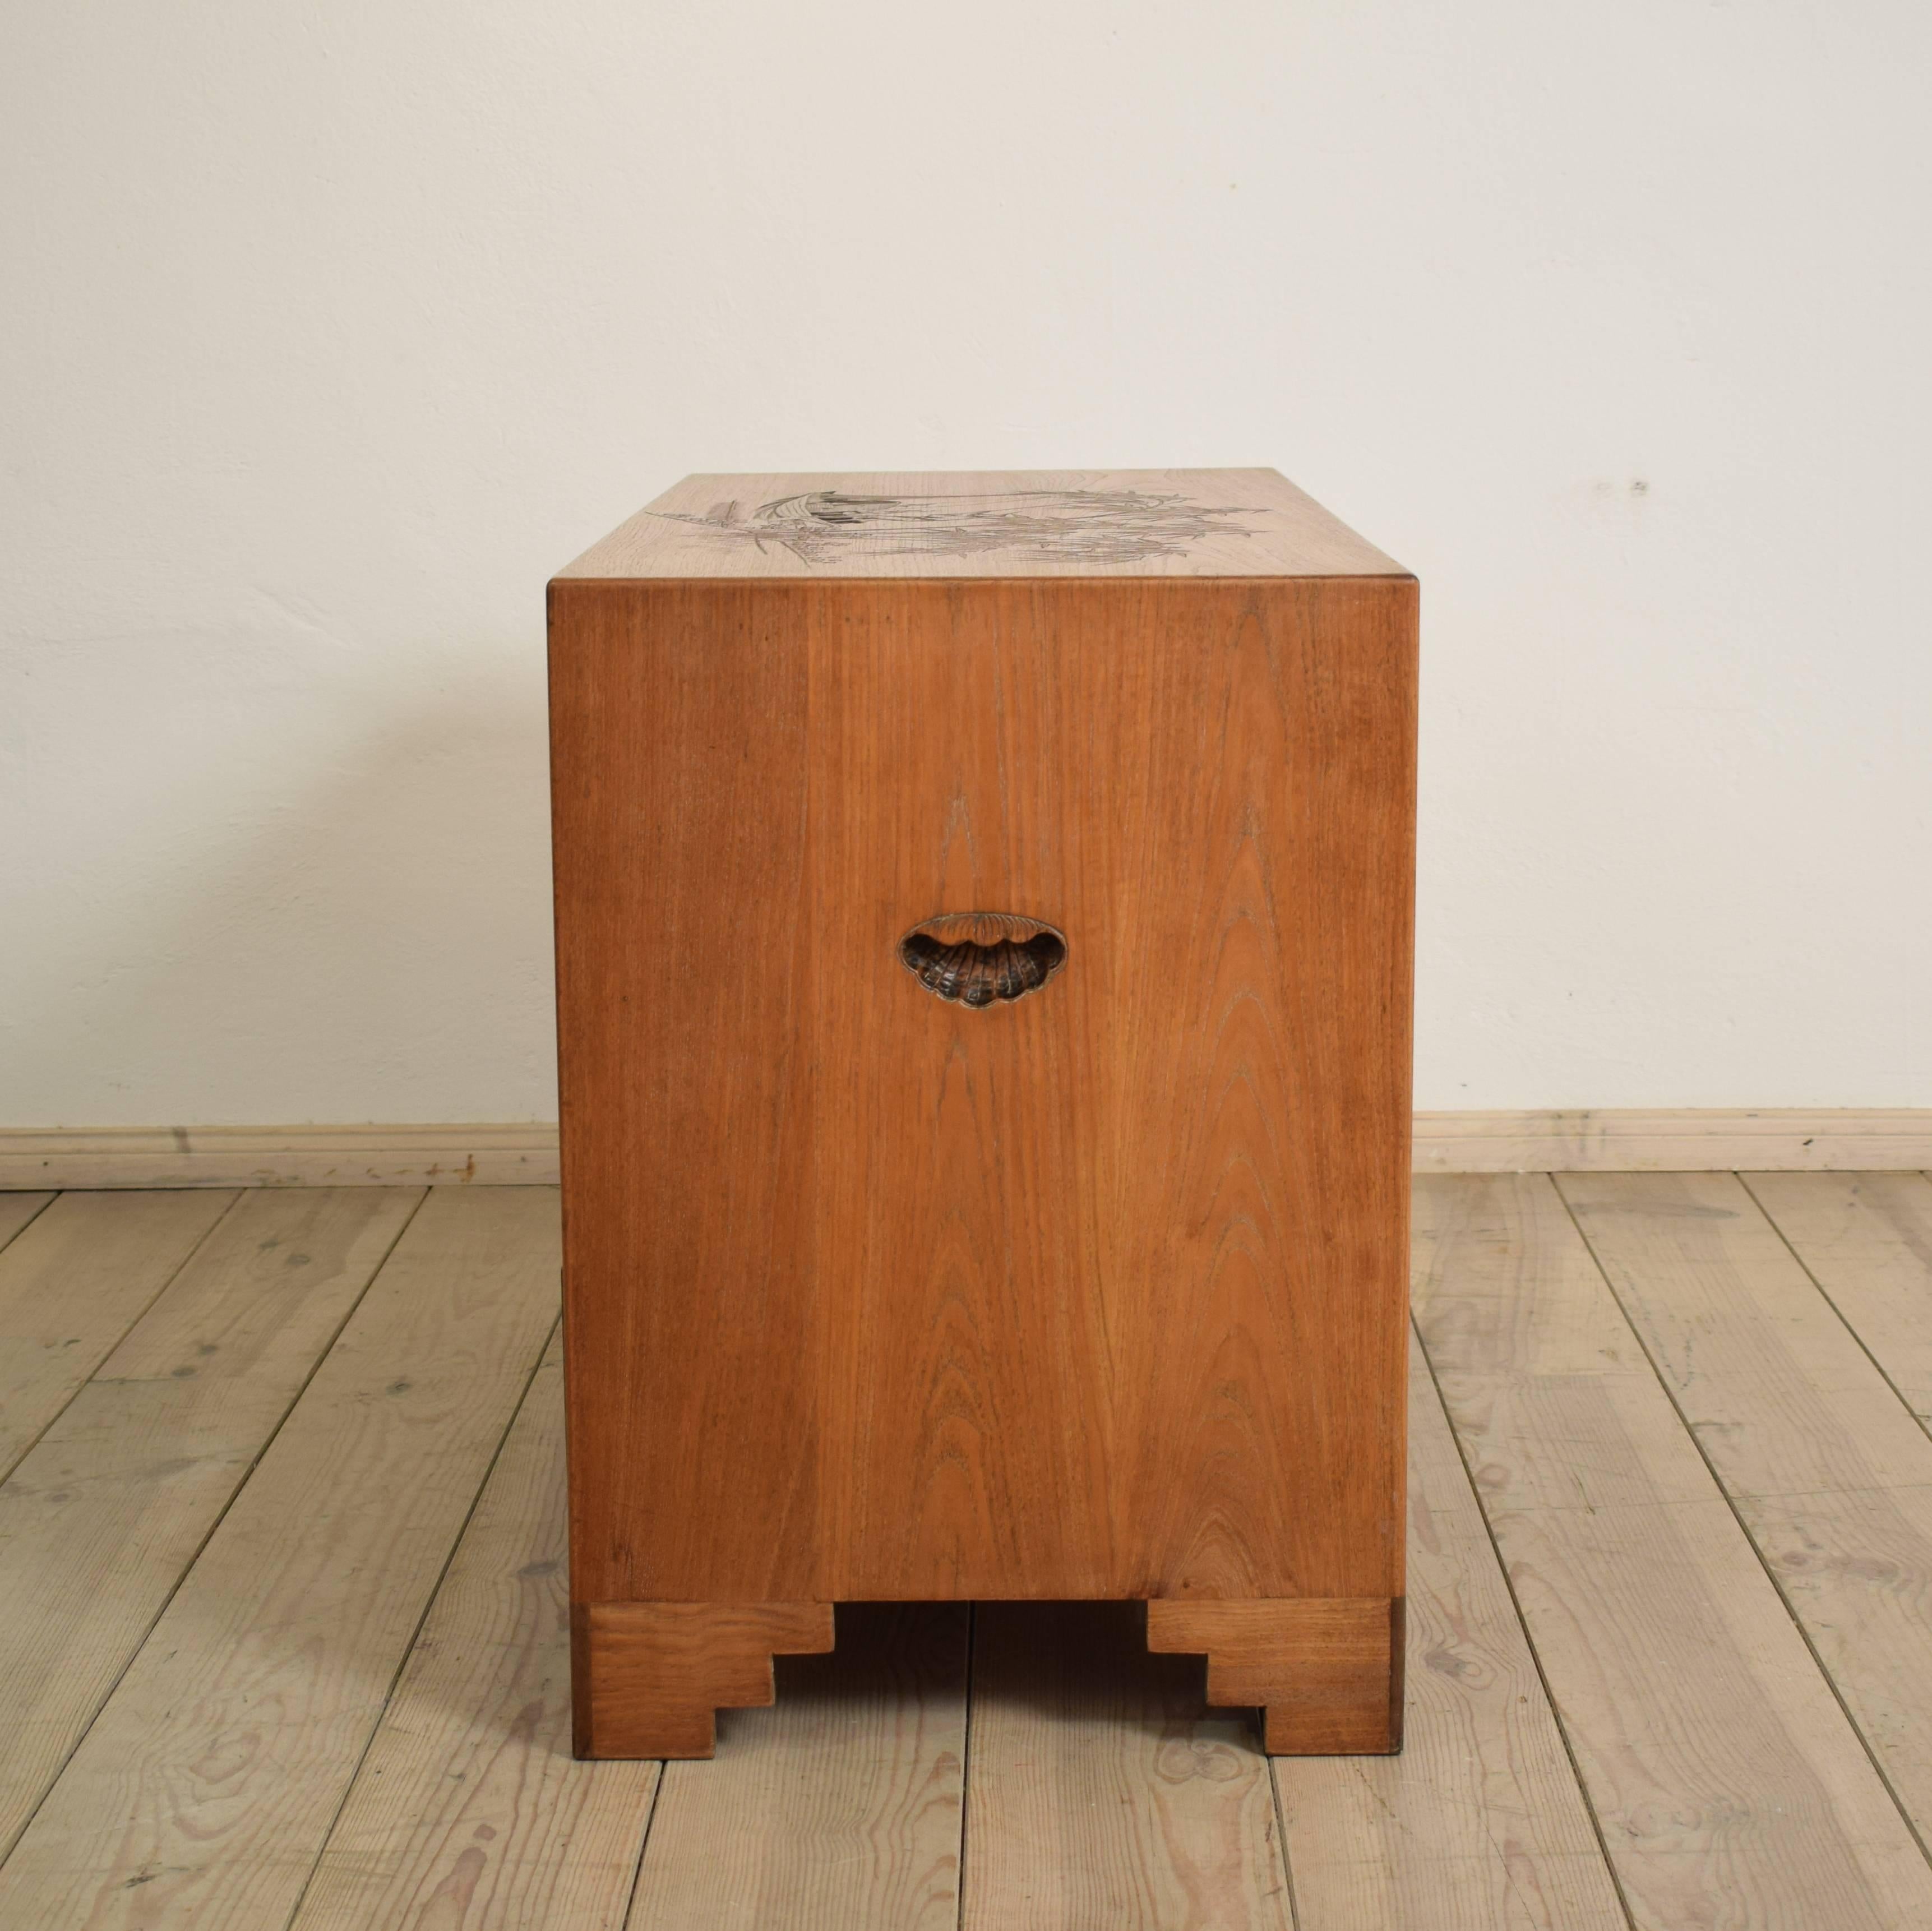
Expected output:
(648, 1678)
(1326, 1672)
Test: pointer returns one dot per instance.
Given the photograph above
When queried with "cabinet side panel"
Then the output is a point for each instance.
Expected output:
(679, 720)
(963, 1365)
(1242, 851)
(1120, 1268)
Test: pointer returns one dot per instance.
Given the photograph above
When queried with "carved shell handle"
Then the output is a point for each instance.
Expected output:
(978, 957)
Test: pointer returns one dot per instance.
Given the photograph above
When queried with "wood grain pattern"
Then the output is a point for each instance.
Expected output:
(854, 1783)
(1730, 1787)
(1017, 1303)
(1325, 1672)
(72, 1282)
(1480, 1824)
(649, 1677)
(1084, 522)
(100, 1518)
(203, 1792)
(468, 1811)
(723, 1285)
(1866, 1239)
(1830, 1471)
(1099, 1789)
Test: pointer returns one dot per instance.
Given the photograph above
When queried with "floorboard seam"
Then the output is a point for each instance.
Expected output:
(966, 1756)
(416, 1635)
(1529, 1637)
(1737, 1515)
(28, 1222)
(1824, 1294)
(1281, 1842)
(643, 1845)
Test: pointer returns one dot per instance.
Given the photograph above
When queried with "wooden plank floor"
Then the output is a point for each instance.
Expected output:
(283, 1640)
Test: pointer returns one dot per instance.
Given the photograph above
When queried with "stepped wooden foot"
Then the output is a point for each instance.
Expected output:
(648, 1678)
(1325, 1671)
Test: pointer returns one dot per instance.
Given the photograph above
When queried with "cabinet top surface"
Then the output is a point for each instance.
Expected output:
(1012, 522)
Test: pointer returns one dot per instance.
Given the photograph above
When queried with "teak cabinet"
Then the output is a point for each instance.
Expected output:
(984, 910)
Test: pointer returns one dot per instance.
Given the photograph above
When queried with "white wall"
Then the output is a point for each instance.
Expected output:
(331, 330)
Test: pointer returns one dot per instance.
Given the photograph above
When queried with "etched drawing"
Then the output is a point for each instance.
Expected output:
(1083, 526)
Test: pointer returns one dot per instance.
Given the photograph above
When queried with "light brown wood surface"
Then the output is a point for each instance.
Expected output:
(73, 1280)
(102, 1517)
(1480, 1824)
(1866, 1239)
(1730, 1787)
(855, 1778)
(204, 1789)
(966, 523)
(1830, 1472)
(468, 1810)
(1102, 1791)
(1096, 1293)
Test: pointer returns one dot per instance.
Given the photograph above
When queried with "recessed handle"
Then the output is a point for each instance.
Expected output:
(980, 958)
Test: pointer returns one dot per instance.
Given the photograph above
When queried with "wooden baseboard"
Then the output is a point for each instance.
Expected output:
(1587, 1139)
(277, 1156)
(1685, 1140)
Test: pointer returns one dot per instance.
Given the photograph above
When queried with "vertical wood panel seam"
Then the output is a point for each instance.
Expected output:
(1798, 1622)
(140, 1315)
(416, 1634)
(1824, 1294)
(221, 1515)
(1528, 1635)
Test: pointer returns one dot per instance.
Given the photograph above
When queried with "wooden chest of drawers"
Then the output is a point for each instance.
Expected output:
(984, 911)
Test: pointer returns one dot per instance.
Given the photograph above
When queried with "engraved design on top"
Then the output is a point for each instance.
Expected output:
(1088, 525)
